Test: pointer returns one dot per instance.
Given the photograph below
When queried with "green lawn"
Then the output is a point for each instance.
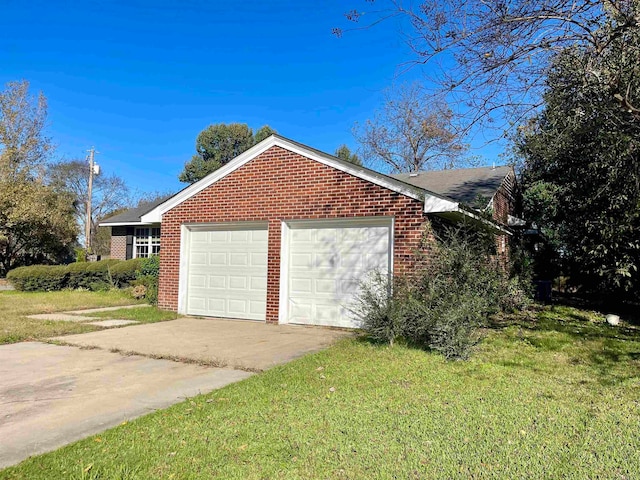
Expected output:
(142, 315)
(552, 395)
(15, 306)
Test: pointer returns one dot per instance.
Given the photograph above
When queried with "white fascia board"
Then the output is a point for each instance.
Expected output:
(355, 170)
(440, 205)
(155, 215)
(515, 221)
(125, 224)
(498, 229)
(434, 205)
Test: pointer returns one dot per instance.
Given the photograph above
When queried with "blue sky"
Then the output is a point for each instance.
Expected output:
(140, 79)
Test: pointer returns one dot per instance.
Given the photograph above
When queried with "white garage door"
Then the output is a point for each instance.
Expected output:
(326, 265)
(227, 272)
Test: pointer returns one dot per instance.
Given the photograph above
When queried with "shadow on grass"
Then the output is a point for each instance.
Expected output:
(612, 354)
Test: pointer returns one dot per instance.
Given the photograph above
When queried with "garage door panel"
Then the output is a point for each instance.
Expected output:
(325, 287)
(198, 303)
(199, 259)
(301, 235)
(260, 236)
(324, 260)
(217, 259)
(236, 283)
(217, 281)
(235, 269)
(376, 261)
(350, 286)
(327, 266)
(326, 236)
(238, 259)
(259, 283)
(258, 308)
(239, 236)
(258, 259)
(301, 260)
(198, 281)
(301, 285)
(351, 260)
(199, 237)
(300, 312)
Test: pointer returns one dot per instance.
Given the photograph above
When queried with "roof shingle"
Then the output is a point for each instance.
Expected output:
(462, 185)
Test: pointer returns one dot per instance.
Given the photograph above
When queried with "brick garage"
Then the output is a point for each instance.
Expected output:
(277, 189)
(280, 185)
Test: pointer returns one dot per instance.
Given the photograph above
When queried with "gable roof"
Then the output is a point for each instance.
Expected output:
(434, 202)
(462, 185)
(133, 215)
(413, 191)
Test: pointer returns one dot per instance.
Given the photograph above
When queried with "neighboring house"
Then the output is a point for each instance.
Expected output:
(130, 238)
(285, 233)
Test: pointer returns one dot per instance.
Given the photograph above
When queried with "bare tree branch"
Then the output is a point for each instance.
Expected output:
(490, 58)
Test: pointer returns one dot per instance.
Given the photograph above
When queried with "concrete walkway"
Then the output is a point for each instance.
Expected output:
(242, 344)
(53, 395)
(83, 316)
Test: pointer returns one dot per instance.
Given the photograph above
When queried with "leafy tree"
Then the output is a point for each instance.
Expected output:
(344, 153)
(581, 165)
(24, 147)
(410, 133)
(110, 193)
(218, 144)
(493, 56)
(36, 223)
(262, 133)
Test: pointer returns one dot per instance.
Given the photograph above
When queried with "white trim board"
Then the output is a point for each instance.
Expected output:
(371, 176)
(127, 224)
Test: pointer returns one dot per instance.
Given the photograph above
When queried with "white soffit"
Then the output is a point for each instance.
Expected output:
(155, 215)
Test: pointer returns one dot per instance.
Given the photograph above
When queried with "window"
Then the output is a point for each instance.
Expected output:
(146, 242)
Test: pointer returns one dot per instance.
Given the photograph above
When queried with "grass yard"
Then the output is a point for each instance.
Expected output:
(552, 394)
(15, 306)
(142, 315)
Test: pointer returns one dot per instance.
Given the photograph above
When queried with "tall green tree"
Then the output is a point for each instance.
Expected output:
(581, 169)
(344, 153)
(218, 144)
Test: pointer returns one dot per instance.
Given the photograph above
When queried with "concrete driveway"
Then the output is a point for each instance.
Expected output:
(52, 395)
(241, 344)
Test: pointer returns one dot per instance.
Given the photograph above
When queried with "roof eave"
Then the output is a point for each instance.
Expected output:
(457, 212)
(124, 224)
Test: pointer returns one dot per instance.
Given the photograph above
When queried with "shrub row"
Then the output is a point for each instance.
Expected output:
(100, 275)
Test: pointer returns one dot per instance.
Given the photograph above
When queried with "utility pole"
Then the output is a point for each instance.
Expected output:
(94, 169)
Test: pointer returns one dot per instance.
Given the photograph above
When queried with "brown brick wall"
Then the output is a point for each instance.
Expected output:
(504, 203)
(119, 243)
(280, 185)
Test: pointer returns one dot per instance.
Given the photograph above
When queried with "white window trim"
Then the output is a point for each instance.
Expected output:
(148, 241)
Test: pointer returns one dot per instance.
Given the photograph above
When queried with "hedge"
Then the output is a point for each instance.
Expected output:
(39, 277)
(100, 275)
